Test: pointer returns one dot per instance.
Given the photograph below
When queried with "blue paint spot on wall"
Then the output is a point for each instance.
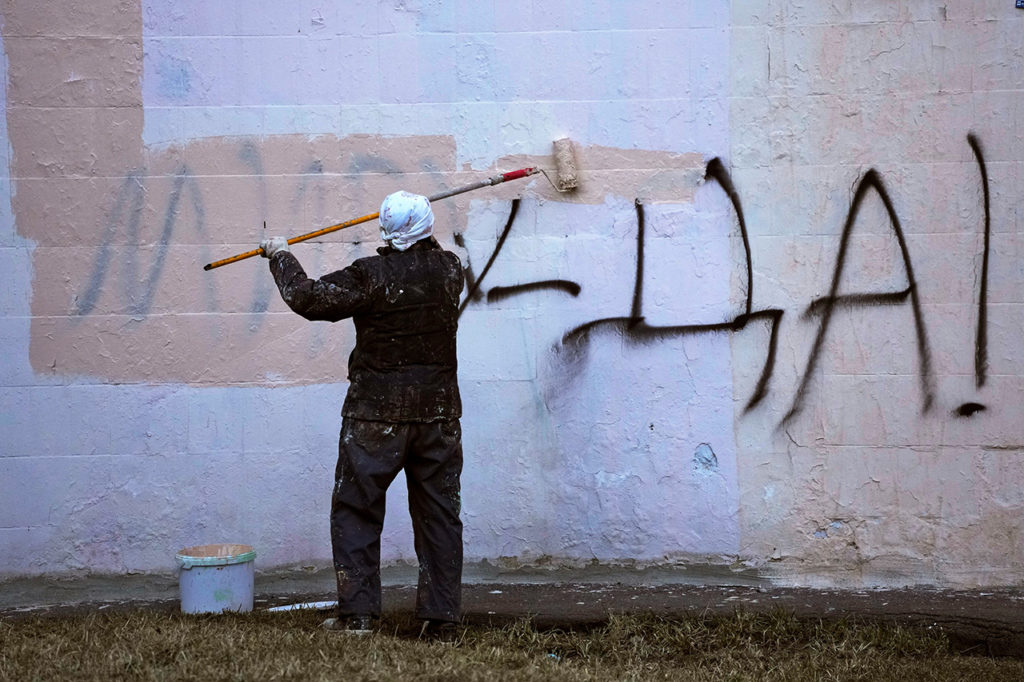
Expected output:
(704, 458)
(174, 79)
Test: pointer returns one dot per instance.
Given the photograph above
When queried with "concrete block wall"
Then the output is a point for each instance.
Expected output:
(829, 395)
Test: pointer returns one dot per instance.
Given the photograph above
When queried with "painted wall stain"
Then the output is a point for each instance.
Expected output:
(128, 303)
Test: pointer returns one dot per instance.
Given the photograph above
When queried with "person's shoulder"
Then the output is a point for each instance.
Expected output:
(452, 263)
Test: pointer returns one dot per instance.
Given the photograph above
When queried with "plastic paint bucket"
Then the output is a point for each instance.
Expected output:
(216, 578)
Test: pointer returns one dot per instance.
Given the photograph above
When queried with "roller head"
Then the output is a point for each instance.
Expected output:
(565, 165)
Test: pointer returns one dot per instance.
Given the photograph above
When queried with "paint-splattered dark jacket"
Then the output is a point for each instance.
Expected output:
(405, 306)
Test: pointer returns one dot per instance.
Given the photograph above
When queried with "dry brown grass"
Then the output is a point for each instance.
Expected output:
(148, 645)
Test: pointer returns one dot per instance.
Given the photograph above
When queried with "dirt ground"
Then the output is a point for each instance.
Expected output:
(979, 621)
(988, 622)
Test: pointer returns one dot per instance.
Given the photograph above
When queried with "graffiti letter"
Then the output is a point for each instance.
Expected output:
(827, 305)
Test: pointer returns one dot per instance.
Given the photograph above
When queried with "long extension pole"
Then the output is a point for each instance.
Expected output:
(495, 180)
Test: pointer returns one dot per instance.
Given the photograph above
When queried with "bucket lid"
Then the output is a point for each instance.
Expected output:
(214, 555)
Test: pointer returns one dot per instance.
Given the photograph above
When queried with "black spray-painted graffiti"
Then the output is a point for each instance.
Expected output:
(981, 333)
(138, 294)
(825, 306)
(981, 336)
(634, 326)
(499, 293)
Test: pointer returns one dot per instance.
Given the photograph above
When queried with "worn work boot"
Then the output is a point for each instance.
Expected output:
(350, 625)
(439, 630)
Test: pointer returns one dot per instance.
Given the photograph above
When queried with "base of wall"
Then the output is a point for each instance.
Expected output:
(46, 591)
(37, 592)
(32, 592)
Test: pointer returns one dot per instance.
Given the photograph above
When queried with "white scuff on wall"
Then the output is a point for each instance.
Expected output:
(643, 386)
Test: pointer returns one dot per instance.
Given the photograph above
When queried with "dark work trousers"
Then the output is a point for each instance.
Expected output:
(370, 455)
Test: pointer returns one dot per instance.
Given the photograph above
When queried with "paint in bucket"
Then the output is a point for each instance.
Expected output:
(216, 578)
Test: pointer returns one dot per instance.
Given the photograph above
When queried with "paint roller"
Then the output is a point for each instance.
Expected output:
(566, 176)
(565, 180)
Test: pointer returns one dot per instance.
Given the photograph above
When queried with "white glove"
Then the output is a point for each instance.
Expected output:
(274, 245)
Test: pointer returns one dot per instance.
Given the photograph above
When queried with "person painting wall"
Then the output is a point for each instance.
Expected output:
(401, 411)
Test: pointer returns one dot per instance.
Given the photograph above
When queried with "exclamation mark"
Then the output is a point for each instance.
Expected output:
(981, 335)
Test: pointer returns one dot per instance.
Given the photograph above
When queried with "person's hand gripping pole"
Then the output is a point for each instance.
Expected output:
(269, 247)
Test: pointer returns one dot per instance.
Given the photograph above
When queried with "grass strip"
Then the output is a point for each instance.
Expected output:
(147, 645)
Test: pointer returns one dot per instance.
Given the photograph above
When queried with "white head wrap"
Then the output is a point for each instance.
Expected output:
(405, 218)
